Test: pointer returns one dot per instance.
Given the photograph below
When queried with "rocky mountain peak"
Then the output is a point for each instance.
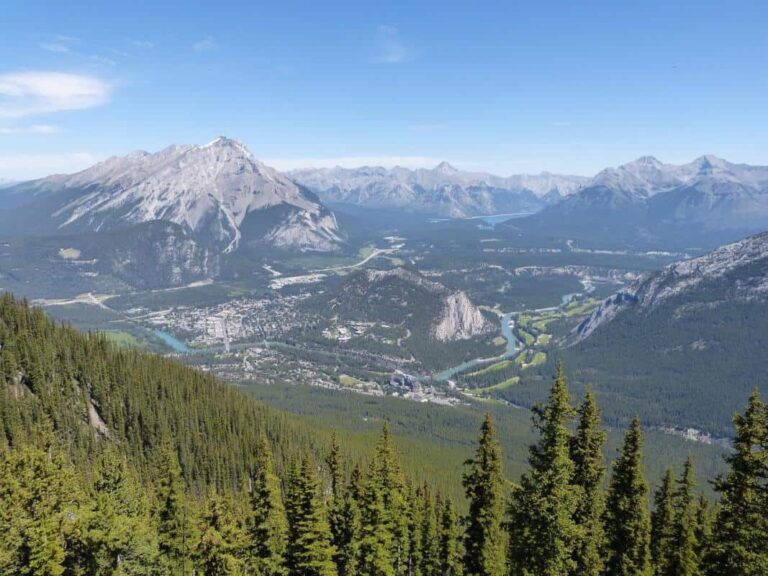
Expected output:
(446, 168)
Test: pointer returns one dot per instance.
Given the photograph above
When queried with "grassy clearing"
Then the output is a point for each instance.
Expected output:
(492, 368)
(349, 381)
(543, 339)
(125, 339)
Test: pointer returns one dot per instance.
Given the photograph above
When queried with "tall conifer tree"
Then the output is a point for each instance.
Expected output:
(663, 526)
(267, 526)
(545, 538)
(589, 472)
(627, 524)
(485, 540)
(739, 543)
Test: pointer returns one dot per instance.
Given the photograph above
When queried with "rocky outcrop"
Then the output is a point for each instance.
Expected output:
(460, 320)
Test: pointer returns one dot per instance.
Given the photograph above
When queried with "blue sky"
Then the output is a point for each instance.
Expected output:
(507, 87)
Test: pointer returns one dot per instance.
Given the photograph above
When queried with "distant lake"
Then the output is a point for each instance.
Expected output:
(494, 219)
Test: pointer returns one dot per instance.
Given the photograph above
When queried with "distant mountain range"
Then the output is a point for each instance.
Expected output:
(707, 202)
(441, 191)
(683, 345)
(219, 194)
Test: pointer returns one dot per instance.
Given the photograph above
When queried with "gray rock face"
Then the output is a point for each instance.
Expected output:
(460, 320)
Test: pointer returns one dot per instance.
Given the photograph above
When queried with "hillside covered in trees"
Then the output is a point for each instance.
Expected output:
(114, 461)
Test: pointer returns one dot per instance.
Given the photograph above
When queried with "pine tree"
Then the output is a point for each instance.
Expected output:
(173, 517)
(627, 524)
(739, 543)
(343, 514)
(267, 527)
(220, 551)
(416, 511)
(485, 540)
(347, 538)
(430, 544)
(703, 527)
(544, 536)
(662, 526)
(309, 552)
(119, 536)
(39, 510)
(589, 472)
(450, 553)
(384, 541)
(685, 560)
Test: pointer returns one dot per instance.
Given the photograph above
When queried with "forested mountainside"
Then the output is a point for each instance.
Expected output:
(117, 462)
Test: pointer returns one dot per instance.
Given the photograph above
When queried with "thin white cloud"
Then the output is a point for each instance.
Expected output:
(205, 45)
(146, 44)
(354, 162)
(30, 93)
(389, 47)
(101, 60)
(56, 47)
(18, 167)
(33, 129)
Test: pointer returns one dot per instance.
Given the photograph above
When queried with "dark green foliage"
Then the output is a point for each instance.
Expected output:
(485, 540)
(450, 545)
(663, 526)
(384, 533)
(173, 516)
(221, 548)
(267, 526)
(545, 538)
(685, 558)
(309, 551)
(627, 524)
(739, 543)
(589, 472)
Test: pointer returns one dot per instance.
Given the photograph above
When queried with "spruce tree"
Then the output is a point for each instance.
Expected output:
(450, 554)
(343, 514)
(589, 472)
(703, 527)
(485, 540)
(309, 551)
(430, 544)
(173, 518)
(627, 524)
(347, 539)
(545, 538)
(685, 559)
(663, 526)
(384, 540)
(119, 534)
(739, 543)
(267, 527)
(416, 511)
(221, 548)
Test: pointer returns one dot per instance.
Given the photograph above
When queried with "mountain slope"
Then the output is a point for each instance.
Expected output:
(682, 346)
(705, 202)
(443, 190)
(211, 191)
